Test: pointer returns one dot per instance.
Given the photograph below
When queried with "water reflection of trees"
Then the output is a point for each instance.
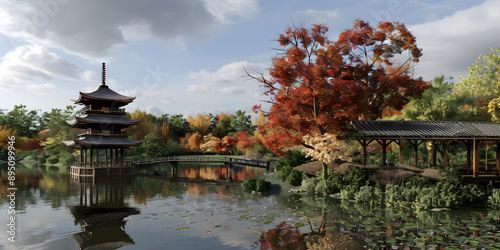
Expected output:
(101, 212)
(37, 180)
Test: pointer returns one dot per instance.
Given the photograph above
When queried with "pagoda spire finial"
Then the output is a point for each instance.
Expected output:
(103, 76)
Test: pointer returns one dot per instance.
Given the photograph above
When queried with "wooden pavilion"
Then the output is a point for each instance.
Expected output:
(442, 136)
(102, 141)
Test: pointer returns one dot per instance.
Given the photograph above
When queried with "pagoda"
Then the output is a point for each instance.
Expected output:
(103, 139)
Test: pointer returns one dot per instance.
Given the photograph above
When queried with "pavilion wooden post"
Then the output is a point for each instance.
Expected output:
(384, 145)
(445, 155)
(475, 155)
(433, 153)
(363, 143)
(486, 147)
(91, 159)
(401, 144)
(363, 152)
(498, 158)
(468, 144)
(415, 145)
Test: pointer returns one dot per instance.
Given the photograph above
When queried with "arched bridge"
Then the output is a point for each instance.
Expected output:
(228, 161)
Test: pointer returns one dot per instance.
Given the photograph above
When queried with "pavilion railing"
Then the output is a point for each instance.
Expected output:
(103, 164)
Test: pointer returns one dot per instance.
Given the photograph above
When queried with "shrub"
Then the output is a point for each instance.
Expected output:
(280, 163)
(263, 185)
(297, 157)
(356, 177)
(295, 177)
(450, 175)
(325, 187)
(284, 172)
(371, 194)
(53, 159)
(42, 158)
(494, 199)
(254, 184)
(249, 185)
(348, 192)
(418, 182)
(66, 158)
(309, 184)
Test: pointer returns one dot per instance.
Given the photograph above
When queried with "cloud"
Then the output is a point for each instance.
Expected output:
(320, 16)
(27, 64)
(93, 28)
(224, 10)
(231, 73)
(40, 89)
(453, 43)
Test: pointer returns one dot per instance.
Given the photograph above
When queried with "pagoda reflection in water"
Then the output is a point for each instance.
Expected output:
(101, 214)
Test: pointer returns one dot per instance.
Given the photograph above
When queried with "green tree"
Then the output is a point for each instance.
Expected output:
(240, 121)
(59, 130)
(483, 80)
(21, 120)
(483, 83)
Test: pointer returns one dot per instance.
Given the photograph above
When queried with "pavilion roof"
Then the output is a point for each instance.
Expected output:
(387, 129)
(103, 141)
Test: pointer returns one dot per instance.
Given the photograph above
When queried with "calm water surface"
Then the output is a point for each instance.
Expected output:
(153, 212)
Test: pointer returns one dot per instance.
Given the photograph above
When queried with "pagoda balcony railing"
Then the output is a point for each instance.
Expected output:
(102, 164)
(99, 132)
(104, 109)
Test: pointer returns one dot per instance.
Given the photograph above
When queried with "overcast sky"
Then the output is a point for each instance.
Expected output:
(183, 57)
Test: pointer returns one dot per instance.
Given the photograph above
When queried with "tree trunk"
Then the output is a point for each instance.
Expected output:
(325, 170)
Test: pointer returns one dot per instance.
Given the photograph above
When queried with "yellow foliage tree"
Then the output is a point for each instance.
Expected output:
(5, 132)
(140, 130)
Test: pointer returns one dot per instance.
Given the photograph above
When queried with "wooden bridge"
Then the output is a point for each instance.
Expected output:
(227, 161)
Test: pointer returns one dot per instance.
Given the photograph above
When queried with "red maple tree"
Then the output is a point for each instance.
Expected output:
(317, 85)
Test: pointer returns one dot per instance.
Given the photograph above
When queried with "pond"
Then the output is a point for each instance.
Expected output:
(154, 212)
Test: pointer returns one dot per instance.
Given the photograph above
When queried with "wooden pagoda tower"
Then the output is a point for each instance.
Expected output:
(102, 141)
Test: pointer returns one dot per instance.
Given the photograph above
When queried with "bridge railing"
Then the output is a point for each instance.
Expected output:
(257, 163)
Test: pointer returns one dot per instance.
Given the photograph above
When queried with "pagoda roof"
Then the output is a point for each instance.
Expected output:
(104, 93)
(100, 119)
(103, 141)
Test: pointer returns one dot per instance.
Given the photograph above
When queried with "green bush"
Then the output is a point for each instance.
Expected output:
(370, 194)
(42, 158)
(280, 163)
(309, 184)
(418, 182)
(284, 172)
(66, 158)
(348, 192)
(263, 185)
(450, 175)
(295, 177)
(297, 157)
(356, 177)
(325, 187)
(254, 184)
(249, 185)
(53, 159)
(494, 199)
